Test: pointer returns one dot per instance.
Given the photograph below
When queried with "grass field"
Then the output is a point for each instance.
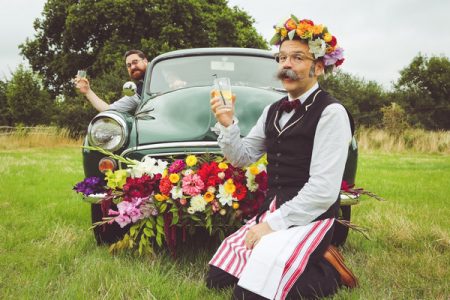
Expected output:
(47, 252)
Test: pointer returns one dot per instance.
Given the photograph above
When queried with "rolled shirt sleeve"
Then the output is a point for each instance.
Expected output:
(127, 104)
(242, 151)
(329, 155)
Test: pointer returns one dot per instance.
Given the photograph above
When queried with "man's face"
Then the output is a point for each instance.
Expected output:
(294, 56)
(136, 66)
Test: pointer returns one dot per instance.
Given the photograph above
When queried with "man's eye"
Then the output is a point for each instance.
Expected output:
(282, 58)
(298, 58)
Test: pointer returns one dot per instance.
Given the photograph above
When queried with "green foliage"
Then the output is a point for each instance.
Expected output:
(394, 119)
(27, 101)
(94, 35)
(5, 114)
(363, 99)
(75, 111)
(424, 91)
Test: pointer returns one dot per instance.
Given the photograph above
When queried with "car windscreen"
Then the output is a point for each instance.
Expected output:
(194, 71)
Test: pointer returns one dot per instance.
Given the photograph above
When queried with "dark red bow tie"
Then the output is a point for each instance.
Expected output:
(288, 106)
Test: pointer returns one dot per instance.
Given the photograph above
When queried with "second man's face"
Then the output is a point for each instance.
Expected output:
(136, 66)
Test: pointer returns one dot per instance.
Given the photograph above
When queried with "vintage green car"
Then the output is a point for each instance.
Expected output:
(174, 117)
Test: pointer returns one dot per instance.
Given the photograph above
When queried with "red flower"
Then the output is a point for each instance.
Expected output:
(237, 174)
(209, 174)
(345, 186)
(339, 62)
(333, 41)
(240, 192)
(165, 186)
(261, 180)
(250, 208)
(140, 187)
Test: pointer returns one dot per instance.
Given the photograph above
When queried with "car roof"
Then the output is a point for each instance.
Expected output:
(214, 51)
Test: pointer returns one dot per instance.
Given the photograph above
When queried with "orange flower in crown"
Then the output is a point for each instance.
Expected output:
(290, 24)
(322, 44)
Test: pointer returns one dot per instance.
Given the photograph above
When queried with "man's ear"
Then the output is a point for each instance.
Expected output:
(319, 68)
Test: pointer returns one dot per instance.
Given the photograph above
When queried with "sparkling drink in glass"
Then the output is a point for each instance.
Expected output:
(222, 89)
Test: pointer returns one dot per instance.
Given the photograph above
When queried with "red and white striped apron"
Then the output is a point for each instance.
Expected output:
(272, 267)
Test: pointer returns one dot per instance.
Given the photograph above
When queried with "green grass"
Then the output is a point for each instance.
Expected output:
(47, 251)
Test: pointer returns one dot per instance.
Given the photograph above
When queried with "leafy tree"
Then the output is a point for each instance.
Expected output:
(28, 102)
(423, 89)
(5, 114)
(395, 120)
(75, 34)
(363, 99)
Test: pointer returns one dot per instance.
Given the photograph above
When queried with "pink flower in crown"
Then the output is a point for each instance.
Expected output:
(192, 185)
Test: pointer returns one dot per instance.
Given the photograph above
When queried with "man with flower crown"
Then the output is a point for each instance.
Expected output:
(285, 252)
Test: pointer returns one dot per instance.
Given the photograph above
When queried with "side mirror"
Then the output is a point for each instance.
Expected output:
(129, 88)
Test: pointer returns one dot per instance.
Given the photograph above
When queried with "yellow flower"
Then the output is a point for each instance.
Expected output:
(229, 186)
(329, 49)
(223, 166)
(283, 32)
(116, 179)
(164, 173)
(208, 196)
(235, 205)
(174, 178)
(317, 29)
(254, 170)
(161, 197)
(327, 37)
(223, 212)
(191, 160)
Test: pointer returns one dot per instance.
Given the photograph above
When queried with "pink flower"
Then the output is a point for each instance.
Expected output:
(192, 185)
(129, 209)
(177, 166)
(122, 220)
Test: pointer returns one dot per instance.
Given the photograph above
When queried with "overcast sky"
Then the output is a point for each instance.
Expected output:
(379, 37)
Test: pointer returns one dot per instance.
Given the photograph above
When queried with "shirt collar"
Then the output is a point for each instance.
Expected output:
(305, 95)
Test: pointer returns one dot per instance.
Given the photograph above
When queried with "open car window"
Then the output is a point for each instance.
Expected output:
(183, 72)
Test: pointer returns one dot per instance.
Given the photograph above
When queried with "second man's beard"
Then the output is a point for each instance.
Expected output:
(137, 75)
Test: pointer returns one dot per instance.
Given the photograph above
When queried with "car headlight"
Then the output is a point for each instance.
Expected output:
(107, 131)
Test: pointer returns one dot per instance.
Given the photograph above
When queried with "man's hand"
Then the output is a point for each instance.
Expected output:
(224, 113)
(82, 84)
(255, 233)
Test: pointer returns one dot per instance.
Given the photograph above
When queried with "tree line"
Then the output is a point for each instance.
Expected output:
(93, 35)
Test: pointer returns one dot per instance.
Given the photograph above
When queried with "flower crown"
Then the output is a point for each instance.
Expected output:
(322, 44)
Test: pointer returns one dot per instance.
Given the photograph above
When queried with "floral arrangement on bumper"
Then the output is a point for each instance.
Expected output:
(155, 197)
(322, 44)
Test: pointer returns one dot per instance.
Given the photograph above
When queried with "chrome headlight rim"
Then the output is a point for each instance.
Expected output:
(114, 117)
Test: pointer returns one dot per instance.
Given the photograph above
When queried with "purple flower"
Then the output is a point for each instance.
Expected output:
(177, 166)
(90, 185)
(331, 58)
